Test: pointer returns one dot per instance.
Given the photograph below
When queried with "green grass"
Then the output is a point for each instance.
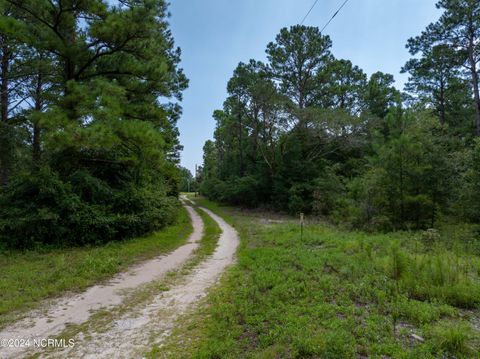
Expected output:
(29, 277)
(338, 294)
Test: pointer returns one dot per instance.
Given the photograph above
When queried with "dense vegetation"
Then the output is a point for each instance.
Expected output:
(306, 132)
(188, 183)
(88, 139)
(333, 293)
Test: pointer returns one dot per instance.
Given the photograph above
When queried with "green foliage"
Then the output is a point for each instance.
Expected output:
(408, 180)
(458, 32)
(43, 209)
(469, 194)
(337, 294)
(95, 155)
(297, 58)
(187, 182)
(306, 132)
(436, 80)
(7, 155)
(264, 151)
(381, 95)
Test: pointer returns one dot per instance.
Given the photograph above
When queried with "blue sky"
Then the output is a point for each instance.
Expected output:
(215, 35)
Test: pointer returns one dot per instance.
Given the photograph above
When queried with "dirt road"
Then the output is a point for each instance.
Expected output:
(134, 328)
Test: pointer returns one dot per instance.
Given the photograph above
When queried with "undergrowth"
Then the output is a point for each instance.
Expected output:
(339, 294)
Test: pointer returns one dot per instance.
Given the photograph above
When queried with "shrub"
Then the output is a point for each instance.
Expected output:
(430, 237)
(441, 278)
(468, 201)
(300, 198)
(242, 191)
(213, 188)
(44, 209)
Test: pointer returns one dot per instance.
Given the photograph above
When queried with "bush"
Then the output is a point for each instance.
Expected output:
(469, 197)
(242, 191)
(430, 237)
(300, 198)
(213, 188)
(440, 278)
(41, 208)
(328, 193)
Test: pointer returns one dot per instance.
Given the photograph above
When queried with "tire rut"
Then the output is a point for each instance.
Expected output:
(78, 308)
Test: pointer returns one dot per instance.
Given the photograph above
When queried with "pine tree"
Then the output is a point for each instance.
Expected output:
(98, 115)
(295, 58)
(459, 29)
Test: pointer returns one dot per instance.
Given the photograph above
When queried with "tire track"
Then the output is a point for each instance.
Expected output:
(77, 309)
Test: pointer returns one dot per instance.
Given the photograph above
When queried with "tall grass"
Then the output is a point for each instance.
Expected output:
(440, 275)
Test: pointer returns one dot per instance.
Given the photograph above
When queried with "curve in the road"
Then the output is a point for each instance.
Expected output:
(135, 332)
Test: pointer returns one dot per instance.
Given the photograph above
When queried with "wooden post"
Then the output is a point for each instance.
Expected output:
(302, 220)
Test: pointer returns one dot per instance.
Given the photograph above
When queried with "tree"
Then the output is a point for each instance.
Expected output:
(306, 132)
(408, 178)
(254, 98)
(467, 204)
(10, 95)
(99, 119)
(261, 157)
(296, 58)
(345, 87)
(436, 79)
(7, 98)
(380, 94)
(459, 29)
(187, 181)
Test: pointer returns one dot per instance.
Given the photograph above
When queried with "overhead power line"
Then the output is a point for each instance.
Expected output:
(329, 21)
(336, 13)
(309, 11)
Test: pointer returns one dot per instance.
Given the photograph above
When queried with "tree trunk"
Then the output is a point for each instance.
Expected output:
(473, 69)
(477, 99)
(4, 83)
(4, 135)
(402, 204)
(36, 145)
(70, 101)
(442, 103)
(36, 150)
(240, 143)
(255, 136)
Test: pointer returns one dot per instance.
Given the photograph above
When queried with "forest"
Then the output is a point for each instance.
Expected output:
(307, 132)
(89, 145)
(107, 242)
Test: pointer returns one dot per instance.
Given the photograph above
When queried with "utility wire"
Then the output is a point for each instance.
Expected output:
(329, 21)
(336, 13)
(309, 11)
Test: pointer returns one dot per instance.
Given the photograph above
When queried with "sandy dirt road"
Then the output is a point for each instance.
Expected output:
(135, 330)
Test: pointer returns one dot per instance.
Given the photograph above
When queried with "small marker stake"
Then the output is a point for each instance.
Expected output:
(302, 220)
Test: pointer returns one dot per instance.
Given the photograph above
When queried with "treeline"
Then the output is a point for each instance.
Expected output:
(306, 132)
(88, 138)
